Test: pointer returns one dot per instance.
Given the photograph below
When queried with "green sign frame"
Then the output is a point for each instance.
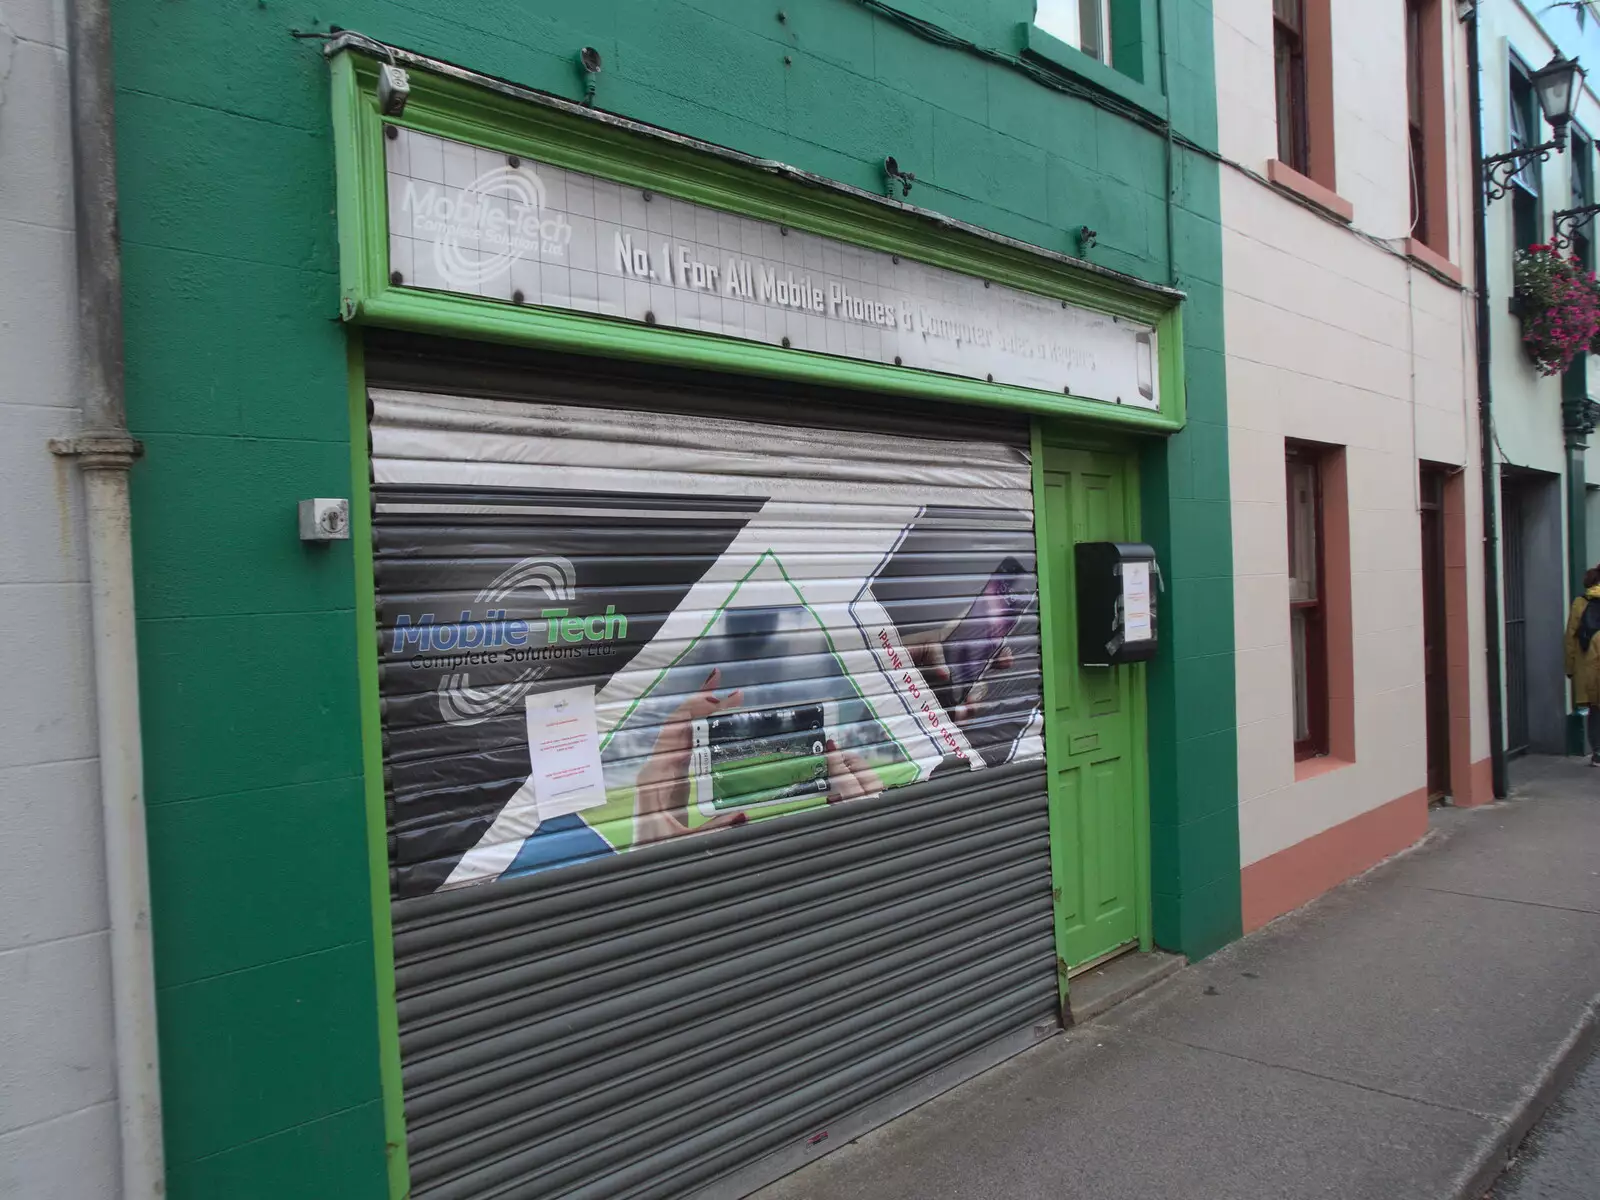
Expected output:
(552, 132)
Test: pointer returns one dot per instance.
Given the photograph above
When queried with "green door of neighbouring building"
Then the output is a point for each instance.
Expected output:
(1095, 731)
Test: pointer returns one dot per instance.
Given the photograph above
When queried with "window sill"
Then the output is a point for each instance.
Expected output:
(1321, 764)
(1283, 176)
(1430, 259)
(1087, 69)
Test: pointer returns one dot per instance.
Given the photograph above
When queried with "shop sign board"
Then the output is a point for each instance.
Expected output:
(471, 221)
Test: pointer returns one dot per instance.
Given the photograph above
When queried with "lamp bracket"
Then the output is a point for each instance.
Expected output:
(1574, 219)
(1500, 169)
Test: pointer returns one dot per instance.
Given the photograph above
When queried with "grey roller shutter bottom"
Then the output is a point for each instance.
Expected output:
(715, 775)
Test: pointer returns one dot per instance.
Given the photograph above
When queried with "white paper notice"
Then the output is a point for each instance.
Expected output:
(565, 748)
(1135, 602)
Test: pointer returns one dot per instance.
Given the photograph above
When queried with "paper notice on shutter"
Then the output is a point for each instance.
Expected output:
(564, 744)
(1136, 626)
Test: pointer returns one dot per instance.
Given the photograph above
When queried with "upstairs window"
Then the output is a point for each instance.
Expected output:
(1525, 217)
(1289, 56)
(1582, 154)
(1082, 24)
(1415, 108)
(1426, 125)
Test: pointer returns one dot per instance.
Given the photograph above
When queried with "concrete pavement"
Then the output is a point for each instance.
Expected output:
(1395, 1039)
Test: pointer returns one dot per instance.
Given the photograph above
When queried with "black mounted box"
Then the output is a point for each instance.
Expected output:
(1116, 603)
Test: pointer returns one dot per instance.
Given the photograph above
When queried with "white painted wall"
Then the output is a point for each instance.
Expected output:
(58, 1127)
(1527, 406)
(1333, 336)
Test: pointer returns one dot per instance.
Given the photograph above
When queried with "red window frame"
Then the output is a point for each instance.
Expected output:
(1415, 110)
(1289, 58)
(1312, 612)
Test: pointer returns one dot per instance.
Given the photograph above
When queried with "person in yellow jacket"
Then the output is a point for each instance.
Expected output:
(1583, 658)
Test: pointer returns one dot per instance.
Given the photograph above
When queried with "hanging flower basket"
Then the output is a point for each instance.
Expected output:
(1559, 303)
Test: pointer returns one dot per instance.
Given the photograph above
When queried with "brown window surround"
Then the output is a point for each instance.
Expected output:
(1434, 261)
(1303, 81)
(1321, 645)
(1286, 177)
(1425, 120)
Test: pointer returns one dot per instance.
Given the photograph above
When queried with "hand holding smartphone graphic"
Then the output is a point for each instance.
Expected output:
(928, 652)
(661, 798)
(955, 657)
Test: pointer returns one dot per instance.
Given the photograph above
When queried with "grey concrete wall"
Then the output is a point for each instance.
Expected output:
(58, 1129)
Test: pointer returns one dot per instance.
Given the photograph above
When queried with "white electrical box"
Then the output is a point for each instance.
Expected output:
(324, 520)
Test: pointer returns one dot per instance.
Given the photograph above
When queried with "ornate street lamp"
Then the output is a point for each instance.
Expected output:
(1556, 86)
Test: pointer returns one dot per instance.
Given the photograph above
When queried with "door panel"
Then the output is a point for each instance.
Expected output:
(1091, 740)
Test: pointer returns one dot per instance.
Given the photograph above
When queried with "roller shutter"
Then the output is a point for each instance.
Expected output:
(716, 787)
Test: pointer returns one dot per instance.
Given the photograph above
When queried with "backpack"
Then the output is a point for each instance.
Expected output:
(1588, 625)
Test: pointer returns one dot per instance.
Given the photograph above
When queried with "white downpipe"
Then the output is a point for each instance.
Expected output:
(105, 452)
(116, 671)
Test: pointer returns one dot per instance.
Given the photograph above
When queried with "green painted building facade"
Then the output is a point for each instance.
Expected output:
(280, 1070)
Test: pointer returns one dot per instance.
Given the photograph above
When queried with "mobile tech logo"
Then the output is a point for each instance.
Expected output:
(486, 635)
(478, 231)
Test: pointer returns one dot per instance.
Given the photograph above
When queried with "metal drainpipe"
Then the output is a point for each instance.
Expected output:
(104, 451)
(1491, 541)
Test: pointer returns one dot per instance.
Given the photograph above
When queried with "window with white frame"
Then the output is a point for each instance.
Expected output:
(1526, 218)
(1083, 24)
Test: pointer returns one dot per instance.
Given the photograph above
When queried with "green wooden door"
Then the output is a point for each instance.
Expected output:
(1095, 727)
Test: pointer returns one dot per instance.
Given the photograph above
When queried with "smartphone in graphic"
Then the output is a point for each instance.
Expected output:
(761, 756)
(980, 634)
(1146, 351)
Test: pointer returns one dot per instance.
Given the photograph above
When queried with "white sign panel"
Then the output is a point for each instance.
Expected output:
(472, 221)
(1136, 602)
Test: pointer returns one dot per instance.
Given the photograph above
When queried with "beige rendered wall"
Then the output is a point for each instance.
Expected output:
(58, 1113)
(1334, 336)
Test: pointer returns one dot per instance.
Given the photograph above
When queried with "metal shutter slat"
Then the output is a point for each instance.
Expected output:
(643, 1024)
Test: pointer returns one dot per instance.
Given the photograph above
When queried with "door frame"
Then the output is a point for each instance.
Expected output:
(1433, 489)
(1058, 434)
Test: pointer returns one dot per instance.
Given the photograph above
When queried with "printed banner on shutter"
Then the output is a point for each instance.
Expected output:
(601, 630)
(476, 222)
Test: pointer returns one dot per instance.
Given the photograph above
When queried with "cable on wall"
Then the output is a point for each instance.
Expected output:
(1056, 81)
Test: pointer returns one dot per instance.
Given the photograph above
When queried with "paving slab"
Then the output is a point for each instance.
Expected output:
(1005, 1135)
(1394, 1039)
(1440, 998)
(1524, 852)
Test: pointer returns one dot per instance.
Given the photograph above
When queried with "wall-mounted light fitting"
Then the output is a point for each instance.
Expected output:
(893, 173)
(1556, 86)
(590, 63)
